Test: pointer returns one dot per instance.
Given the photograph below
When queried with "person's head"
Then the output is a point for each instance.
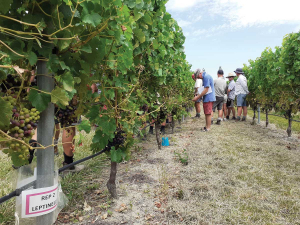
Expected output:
(239, 71)
(220, 73)
(230, 76)
(193, 77)
(198, 74)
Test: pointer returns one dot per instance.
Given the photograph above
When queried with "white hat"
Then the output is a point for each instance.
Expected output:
(231, 74)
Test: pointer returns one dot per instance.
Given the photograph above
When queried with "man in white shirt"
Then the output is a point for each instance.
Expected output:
(241, 91)
(198, 84)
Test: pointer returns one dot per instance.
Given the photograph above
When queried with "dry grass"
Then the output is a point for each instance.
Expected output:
(240, 174)
(237, 173)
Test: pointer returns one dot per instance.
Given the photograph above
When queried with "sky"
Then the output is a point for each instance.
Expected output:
(228, 33)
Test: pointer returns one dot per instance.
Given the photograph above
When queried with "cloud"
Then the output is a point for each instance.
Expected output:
(242, 13)
(184, 23)
(257, 12)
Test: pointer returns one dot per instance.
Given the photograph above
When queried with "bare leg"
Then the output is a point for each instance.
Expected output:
(224, 110)
(198, 108)
(67, 140)
(220, 113)
(208, 121)
(239, 111)
(245, 111)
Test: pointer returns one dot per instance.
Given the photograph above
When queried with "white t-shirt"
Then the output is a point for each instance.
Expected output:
(198, 83)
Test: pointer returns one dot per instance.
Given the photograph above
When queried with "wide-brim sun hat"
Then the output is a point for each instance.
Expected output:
(231, 74)
(239, 70)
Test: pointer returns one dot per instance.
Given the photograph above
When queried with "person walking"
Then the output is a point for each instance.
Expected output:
(241, 91)
(198, 84)
(231, 95)
(220, 90)
(208, 94)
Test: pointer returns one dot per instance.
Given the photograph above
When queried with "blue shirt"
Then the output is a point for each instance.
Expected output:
(208, 81)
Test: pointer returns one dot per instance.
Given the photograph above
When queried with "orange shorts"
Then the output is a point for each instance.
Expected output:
(207, 106)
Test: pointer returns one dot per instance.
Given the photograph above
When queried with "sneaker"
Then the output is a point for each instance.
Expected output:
(224, 119)
(238, 119)
(70, 168)
(244, 118)
(233, 118)
(227, 117)
(212, 122)
(218, 122)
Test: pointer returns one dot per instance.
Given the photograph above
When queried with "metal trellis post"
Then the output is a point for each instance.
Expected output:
(45, 131)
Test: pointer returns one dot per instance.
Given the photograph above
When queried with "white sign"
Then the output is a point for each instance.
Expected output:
(39, 202)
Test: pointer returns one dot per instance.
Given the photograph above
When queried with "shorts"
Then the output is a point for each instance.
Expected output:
(218, 103)
(241, 100)
(230, 103)
(207, 106)
(225, 99)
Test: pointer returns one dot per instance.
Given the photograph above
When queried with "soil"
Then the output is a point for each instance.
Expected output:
(236, 173)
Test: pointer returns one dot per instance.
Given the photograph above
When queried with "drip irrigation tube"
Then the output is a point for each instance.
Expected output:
(18, 191)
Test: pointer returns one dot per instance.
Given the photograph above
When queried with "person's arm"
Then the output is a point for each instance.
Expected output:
(228, 91)
(202, 94)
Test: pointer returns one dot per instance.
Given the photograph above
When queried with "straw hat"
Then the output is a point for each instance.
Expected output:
(231, 74)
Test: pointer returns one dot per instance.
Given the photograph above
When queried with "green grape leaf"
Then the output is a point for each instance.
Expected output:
(32, 58)
(86, 48)
(59, 96)
(5, 113)
(155, 44)
(85, 125)
(39, 100)
(115, 155)
(68, 2)
(63, 65)
(140, 35)
(93, 113)
(77, 80)
(5, 6)
(68, 81)
(94, 19)
(148, 19)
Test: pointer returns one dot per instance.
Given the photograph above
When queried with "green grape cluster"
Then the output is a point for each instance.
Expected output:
(22, 126)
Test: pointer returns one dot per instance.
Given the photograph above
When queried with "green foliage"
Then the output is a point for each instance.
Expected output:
(183, 158)
(39, 100)
(132, 48)
(274, 80)
(5, 114)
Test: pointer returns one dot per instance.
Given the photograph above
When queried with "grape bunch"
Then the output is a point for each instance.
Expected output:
(66, 117)
(22, 126)
(118, 140)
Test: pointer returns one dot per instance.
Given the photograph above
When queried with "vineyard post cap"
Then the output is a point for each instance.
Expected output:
(239, 71)
(231, 74)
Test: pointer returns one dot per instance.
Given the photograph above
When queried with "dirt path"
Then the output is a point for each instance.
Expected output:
(237, 173)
